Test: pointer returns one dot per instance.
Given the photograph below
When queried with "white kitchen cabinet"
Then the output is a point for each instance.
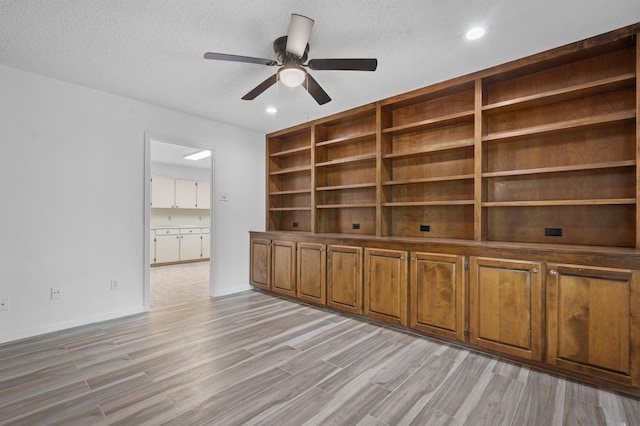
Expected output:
(203, 195)
(190, 244)
(162, 192)
(167, 245)
(186, 194)
(206, 243)
(152, 246)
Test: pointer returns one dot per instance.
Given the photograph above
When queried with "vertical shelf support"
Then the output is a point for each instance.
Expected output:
(479, 230)
(637, 142)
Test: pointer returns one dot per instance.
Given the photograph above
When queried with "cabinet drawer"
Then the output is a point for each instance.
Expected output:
(206, 230)
(190, 231)
(167, 232)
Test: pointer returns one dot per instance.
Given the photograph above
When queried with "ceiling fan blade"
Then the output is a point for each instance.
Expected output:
(343, 64)
(237, 58)
(298, 34)
(314, 89)
(261, 88)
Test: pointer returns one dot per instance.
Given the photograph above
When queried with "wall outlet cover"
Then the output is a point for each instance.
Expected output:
(55, 293)
(4, 303)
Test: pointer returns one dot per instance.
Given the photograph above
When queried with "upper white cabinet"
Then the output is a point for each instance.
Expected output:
(169, 193)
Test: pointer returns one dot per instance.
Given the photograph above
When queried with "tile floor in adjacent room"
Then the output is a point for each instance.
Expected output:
(175, 284)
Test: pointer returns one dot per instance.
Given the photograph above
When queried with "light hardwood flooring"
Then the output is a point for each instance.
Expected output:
(257, 359)
(175, 284)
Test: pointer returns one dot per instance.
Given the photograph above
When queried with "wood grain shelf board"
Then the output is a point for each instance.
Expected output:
(562, 127)
(432, 122)
(291, 170)
(293, 191)
(350, 186)
(346, 206)
(429, 203)
(345, 160)
(559, 169)
(559, 95)
(290, 151)
(289, 209)
(347, 139)
(429, 179)
(592, 202)
(437, 149)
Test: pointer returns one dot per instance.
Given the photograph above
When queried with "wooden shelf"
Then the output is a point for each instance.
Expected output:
(593, 202)
(291, 170)
(429, 150)
(429, 203)
(432, 122)
(562, 127)
(429, 179)
(346, 160)
(350, 186)
(347, 139)
(290, 151)
(346, 206)
(289, 209)
(291, 192)
(567, 93)
(560, 169)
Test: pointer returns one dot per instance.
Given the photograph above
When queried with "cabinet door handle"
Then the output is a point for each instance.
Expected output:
(552, 272)
(534, 270)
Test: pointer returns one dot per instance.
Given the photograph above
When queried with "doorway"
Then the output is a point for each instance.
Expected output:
(178, 223)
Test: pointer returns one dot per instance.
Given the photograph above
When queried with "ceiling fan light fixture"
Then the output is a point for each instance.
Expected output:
(292, 76)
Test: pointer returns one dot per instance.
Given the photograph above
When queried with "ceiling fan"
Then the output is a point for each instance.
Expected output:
(291, 53)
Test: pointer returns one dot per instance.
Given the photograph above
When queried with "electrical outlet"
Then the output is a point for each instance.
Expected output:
(355, 226)
(4, 303)
(115, 285)
(55, 293)
(425, 228)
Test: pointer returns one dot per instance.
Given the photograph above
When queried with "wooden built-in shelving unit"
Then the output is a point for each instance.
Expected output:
(499, 210)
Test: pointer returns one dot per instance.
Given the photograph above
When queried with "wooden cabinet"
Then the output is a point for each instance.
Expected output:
(283, 267)
(438, 294)
(312, 273)
(260, 269)
(505, 306)
(344, 278)
(592, 321)
(385, 285)
(289, 163)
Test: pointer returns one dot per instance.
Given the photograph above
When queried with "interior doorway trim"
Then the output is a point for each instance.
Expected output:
(213, 269)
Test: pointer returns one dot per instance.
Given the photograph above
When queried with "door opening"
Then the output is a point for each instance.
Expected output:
(179, 234)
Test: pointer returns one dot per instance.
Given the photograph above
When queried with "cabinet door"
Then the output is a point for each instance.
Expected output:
(152, 247)
(206, 245)
(190, 247)
(203, 195)
(312, 273)
(438, 294)
(167, 248)
(592, 326)
(385, 285)
(260, 272)
(162, 192)
(185, 194)
(344, 281)
(283, 267)
(505, 306)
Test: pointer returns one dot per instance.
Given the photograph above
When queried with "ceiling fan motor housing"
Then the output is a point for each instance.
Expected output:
(284, 57)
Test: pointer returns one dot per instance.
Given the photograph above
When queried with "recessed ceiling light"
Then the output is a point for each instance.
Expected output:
(272, 110)
(475, 33)
(198, 155)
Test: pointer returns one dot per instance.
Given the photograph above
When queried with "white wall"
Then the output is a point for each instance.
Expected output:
(72, 200)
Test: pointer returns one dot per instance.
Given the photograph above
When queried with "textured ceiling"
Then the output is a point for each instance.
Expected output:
(151, 50)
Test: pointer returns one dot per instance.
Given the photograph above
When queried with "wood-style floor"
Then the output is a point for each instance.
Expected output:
(256, 359)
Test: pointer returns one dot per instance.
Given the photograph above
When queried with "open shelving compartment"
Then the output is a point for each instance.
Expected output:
(427, 164)
(559, 151)
(345, 181)
(289, 169)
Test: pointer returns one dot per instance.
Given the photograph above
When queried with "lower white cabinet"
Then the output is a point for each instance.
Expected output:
(190, 246)
(206, 243)
(167, 245)
(172, 245)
